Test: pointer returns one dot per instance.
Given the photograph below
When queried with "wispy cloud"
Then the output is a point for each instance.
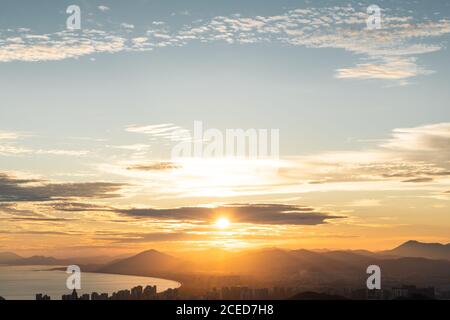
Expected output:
(103, 8)
(8, 135)
(57, 152)
(11, 149)
(385, 68)
(389, 53)
(59, 46)
(9, 146)
(143, 237)
(166, 130)
(155, 166)
(127, 25)
(417, 155)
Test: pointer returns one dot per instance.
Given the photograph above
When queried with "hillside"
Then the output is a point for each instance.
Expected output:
(147, 263)
(419, 249)
(6, 257)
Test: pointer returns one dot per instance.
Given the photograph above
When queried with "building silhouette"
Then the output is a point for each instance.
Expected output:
(41, 296)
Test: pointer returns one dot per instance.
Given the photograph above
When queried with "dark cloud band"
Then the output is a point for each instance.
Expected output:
(19, 190)
(244, 213)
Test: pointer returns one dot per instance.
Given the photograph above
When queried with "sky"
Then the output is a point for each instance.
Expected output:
(89, 119)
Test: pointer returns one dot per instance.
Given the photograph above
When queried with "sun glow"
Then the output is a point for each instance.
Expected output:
(222, 223)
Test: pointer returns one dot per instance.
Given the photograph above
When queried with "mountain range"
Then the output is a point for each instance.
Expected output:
(412, 262)
(6, 257)
(301, 266)
(11, 258)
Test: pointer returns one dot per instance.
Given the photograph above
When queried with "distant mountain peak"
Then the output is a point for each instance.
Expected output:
(413, 243)
(410, 242)
(150, 251)
(9, 256)
(414, 248)
(147, 263)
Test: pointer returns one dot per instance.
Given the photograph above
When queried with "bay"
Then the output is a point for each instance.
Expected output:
(24, 282)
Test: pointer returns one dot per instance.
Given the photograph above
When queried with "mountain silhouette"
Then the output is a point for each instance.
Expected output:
(37, 260)
(147, 263)
(6, 257)
(414, 248)
(412, 262)
(273, 264)
(11, 258)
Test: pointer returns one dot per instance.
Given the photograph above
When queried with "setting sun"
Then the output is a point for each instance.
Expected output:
(222, 223)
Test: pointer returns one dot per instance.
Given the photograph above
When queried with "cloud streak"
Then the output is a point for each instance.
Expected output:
(59, 46)
(18, 190)
(280, 214)
(155, 166)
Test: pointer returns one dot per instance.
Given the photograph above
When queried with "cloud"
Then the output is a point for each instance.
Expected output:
(103, 8)
(427, 138)
(51, 233)
(419, 154)
(419, 180)
(389, 69)
(6, 135)
(412, 173)
(68, 206)
(167, 131)
(8, 144)
(13, 210)
(280, 214)
(39, 219)
(127, 25)
(155, 166)
(10, 147)
(77, 153)
(164, 130)
(133, 147)
(17, 190)
(209, 236)
(60, 45)
(390, 53)
(276, 214)
(14, 150)
(142, 237)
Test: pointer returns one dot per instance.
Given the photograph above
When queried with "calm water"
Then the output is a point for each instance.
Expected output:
(23, 282)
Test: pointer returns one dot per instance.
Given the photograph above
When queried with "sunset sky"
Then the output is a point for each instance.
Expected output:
(88, 119)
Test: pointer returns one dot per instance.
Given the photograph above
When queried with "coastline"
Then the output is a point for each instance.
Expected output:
(33, 280)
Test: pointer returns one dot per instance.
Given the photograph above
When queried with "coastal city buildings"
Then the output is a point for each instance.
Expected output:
(249, 293)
